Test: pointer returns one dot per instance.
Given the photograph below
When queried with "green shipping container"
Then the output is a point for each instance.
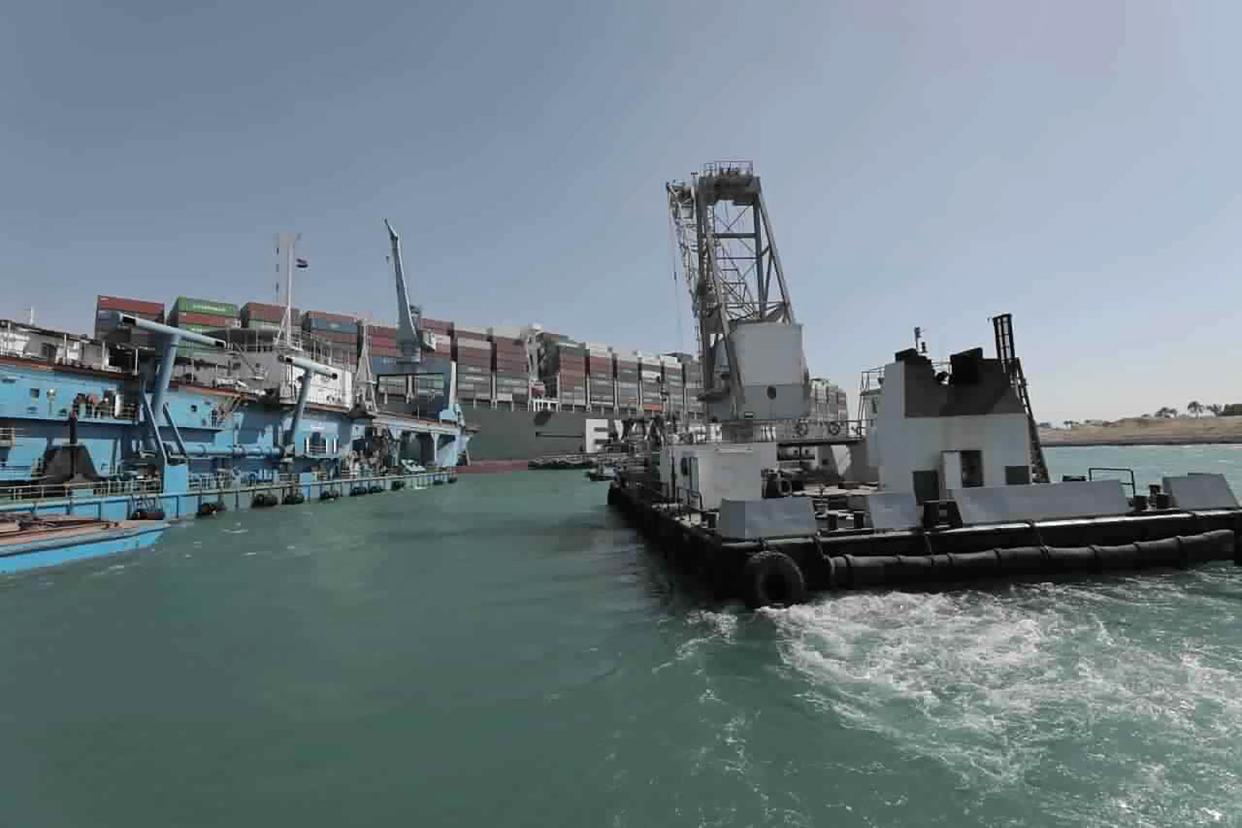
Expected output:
(187, 305)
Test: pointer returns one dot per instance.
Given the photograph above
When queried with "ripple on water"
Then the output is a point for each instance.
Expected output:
(1099, 702)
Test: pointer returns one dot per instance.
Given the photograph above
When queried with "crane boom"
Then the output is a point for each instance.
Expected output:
(408, 341)
(749, 342)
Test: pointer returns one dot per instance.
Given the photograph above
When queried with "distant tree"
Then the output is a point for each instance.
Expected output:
(1232, 410)
(1045, 425)
(1068, 423)
(1166, 412)
(1194, 408)
(1216, 408)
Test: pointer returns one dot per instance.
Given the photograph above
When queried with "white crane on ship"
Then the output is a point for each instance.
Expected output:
(750, 345)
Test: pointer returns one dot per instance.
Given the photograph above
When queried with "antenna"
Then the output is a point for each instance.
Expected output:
(285, 243)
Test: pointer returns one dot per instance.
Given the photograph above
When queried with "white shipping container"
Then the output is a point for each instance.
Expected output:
(505, 331)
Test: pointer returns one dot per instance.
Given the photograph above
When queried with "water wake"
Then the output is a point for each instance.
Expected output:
(1095, 702)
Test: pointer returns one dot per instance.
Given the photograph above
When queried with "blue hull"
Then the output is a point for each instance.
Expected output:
(54, 552)
(186, 504)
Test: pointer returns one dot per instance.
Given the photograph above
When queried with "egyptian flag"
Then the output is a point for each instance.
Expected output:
(302, 264)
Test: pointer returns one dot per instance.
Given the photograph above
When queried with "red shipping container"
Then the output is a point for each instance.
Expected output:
(118, 303)
(267, 313)
(210, 319)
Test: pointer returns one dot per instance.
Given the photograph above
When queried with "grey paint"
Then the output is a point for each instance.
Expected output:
(1200, 491)
(782, 517)
(892, 510)
(1047, 501)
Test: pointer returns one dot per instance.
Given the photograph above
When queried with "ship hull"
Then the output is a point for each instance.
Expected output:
(505, 434)
(51, 552)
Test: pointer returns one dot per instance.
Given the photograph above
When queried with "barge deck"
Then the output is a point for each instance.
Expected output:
(784, 570)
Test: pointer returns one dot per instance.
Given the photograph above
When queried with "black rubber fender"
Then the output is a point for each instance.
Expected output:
(1125, 556)
(869, 570)
(294, 498)
(1072, 559)
(772, 579)
(970, 565)
(1166, 552)
(1021, 560)
(1210, 546)
(911, 569)
(205, 510)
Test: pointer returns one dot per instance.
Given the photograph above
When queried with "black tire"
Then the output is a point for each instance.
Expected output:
(773, 579)
(834, 429)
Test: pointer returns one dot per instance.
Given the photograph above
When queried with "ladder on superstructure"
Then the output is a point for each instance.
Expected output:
(1003, 325)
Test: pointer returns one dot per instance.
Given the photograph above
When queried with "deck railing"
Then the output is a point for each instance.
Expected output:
(92, 488)
(785, 431)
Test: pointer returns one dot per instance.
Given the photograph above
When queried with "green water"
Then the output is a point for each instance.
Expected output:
(504, 652)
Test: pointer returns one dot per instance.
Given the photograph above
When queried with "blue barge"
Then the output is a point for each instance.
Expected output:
(40, 542)
(78, 436)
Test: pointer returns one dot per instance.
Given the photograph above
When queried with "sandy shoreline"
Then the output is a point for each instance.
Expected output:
(1138, 432)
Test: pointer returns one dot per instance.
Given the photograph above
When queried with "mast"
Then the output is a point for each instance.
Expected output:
(285, 260)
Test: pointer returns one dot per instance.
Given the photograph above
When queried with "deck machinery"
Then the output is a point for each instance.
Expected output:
(942, 481)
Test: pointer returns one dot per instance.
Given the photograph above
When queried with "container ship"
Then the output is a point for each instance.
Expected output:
(524, 392)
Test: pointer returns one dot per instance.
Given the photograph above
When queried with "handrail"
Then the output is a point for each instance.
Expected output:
(1133, 488)
(772, 431)
(60, 491)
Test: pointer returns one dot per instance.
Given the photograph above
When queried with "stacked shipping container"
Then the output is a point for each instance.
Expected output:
(511, 365)
(204, 316)
(260, 316)
(693, 369)
(674, 383)
(494, 364)
(650, 383)
(627, 381)
(336, 332)
(600, 375)
(828, 402)
(108, 310)
(562, 367)
(441, 333)
(473, 353)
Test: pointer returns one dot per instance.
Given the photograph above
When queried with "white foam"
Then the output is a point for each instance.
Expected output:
(1000, 687)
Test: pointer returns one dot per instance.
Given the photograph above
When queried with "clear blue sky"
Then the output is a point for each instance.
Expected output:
(925, 164)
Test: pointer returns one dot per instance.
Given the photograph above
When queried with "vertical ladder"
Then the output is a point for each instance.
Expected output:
(1003, 326)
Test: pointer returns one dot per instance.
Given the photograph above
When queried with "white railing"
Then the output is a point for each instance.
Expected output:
(94, 488)
(784, 431)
